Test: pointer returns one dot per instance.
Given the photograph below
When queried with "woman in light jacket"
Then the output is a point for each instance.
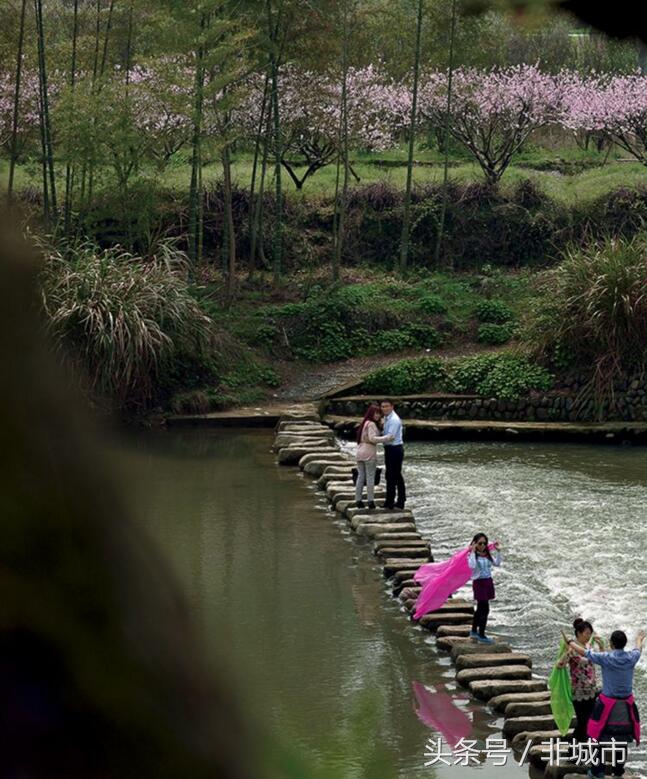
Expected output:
(368, 437)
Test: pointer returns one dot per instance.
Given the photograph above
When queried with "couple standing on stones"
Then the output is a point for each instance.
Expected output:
(381, 425)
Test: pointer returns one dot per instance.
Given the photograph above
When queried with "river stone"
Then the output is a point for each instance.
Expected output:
(539, 754)
(341, 506)
(372, 530)
(329, 456)
(291, 455)
(287, 439)
(391, 566)
(405, 551)
(459, 646)
(315, 467)
(461, 631)
(300, 424)
(395, 535)
(528, 708)
(394, 543)
(349, 495)
(484, 689)
(436, 618)
(339, 469)
(307, 445)
(502, 701)
(381, 511)
(496, 658)
(403, 575)
(375, 518)
(327, 478)
(333, 487)
(514, 725)
(497, 672)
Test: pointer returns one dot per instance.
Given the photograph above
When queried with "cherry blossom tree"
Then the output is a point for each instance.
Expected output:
(616, 107)
(309, 105)
(492, 112)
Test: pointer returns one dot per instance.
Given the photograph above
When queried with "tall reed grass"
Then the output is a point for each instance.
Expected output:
(121, 319)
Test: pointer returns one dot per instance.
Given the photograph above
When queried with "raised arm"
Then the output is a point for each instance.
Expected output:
(639, 640)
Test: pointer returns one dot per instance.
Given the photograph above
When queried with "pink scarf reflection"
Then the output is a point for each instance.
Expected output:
(438, 711)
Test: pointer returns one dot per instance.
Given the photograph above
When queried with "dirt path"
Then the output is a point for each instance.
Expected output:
(310, 382)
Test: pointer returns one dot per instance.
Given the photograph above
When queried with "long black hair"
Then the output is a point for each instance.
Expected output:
(478, 537)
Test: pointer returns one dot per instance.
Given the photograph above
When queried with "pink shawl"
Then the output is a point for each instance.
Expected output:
(440, 580)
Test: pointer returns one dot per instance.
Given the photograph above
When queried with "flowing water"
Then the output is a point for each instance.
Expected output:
(295, 608)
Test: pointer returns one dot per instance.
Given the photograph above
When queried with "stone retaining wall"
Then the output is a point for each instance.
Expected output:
(567, 403)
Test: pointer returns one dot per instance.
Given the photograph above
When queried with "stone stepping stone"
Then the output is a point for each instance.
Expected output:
(372, 529)
(461, 631)
(301, 424)
(330, 456)
(315, 467)
(292, 455)
(568, 769)
(328, 478)
(528, 709)
(379, 512)
(292, 439)
(539, 754)
(404, 573)
(342, 505)
(340, 469)
(383, 519)
(334, 487)
(392, 565)
(501, 701)
(460, 646)
(433, 620)
(495, 658)
(350, 496)
(503, 672)
(539, 722)
(409, 552)
(484, 689)
(452, 607)
(394, 535)
(400, 543)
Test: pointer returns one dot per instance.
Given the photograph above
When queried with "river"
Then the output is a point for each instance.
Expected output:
(296, 610)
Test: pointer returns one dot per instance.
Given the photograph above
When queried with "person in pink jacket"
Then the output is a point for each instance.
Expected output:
(368, 437)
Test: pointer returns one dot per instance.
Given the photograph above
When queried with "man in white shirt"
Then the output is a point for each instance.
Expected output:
(393, 457)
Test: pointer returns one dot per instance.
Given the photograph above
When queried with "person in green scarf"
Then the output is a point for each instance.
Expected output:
(583, 680)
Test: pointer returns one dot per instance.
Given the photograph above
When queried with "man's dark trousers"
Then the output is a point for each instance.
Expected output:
(393, 458)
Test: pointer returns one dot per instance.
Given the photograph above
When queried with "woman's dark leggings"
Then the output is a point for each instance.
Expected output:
(480, 616)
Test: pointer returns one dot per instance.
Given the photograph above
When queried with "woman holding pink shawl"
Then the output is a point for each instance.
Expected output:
(440, 580)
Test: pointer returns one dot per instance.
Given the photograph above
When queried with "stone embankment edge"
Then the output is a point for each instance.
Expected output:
(494, 674)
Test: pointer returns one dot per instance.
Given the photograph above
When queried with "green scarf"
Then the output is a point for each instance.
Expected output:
(561, 693)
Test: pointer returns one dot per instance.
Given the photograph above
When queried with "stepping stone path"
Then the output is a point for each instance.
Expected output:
(493, 673)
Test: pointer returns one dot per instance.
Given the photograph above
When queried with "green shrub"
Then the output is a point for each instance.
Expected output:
(504, 376)
(494, 312)
(494, 335)
(423, 335)
(407, 377)
(251, 374)
(392, 341)
(431, 304)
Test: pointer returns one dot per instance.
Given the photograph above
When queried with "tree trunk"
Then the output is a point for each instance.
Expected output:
(47, 130)
(68, 167)
(252, 190)
(404, 240)
(195, 190)
(16, 102)
(277, 242)
(450, 74)
(341, 206)
(230, 230)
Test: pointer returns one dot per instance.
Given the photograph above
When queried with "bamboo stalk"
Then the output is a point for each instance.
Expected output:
(16, 102)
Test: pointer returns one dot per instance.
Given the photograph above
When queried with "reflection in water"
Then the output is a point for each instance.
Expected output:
(439, 712)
